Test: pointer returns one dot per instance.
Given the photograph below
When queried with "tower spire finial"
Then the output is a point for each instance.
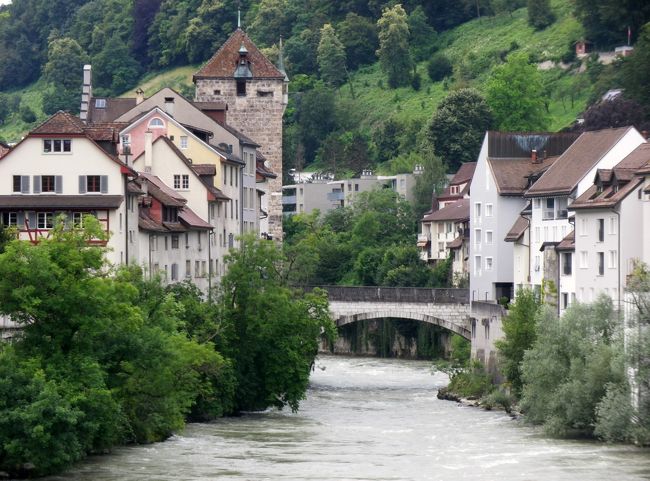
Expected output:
(239, 14)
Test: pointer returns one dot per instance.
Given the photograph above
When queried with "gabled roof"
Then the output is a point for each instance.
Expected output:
(574, 164)
(114, 107)
(225, 60)
(205, 169)
(517, 230)
(511, 174)
(616, 183)
(244, 139)
(261, 169)
(464, 174)
(61, 123)
(458, 210)
(165, 195)
(457, 243)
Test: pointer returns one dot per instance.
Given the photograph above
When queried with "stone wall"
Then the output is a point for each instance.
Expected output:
(258, 115)
(486, 329)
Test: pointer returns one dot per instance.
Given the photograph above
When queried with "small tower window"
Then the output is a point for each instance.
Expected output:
(241, 88)
(156, 123)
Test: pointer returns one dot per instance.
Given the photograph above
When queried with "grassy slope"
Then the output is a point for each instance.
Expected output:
(481, 39)
(475, 45)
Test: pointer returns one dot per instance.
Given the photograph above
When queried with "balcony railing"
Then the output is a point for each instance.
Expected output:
(335, 196)
(288, 199)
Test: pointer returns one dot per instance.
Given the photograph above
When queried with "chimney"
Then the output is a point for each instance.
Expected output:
(645, 134)
(169, 106)
(86, 93)
(533, 156)
(139, 96)
(148, 150)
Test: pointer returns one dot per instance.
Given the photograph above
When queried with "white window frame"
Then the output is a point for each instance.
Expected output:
(489, 237)
(185, 182)
(488, 263)
(184, 142)
(477, 210)
(612, 258)
(584, 260)
(45, 220)
(488, 210)
(156, 123)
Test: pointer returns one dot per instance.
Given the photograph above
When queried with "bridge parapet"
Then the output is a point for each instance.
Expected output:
(397, 294)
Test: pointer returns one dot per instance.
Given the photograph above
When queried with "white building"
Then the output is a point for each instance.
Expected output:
(553, 193)
(305, 197)
(59, 170)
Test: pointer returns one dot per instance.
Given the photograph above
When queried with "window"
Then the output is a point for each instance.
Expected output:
(546, 238)
(449, 226)
(601, 263)
(488, 237)
(170, 214)
(204, 270)
(187, 240)
(100, 103)
(17, 183)
(93, 183)
(156, 123)
(356, 187)
(57, 145)
(175, 241)
(477, 237)
(561, 208)
(537, 263)
(78, 219)
(538, 235)
(197, 269)
(488, 263)
(488, 210)
(549, 209)
(453, 189)
(565, 300)
(185, 181)
(567, 258)
(166, 243)
(584, 259)
(583, 226)
(241, 88)
(477, 210)
(47, 183)
(45, 220)
(537, 203)
(601, 230)
(153, 243)
(183, 141)
(612, 225)
(9, 218)
(188, 268)
(612, 260)
(174, 272)
(477, 265)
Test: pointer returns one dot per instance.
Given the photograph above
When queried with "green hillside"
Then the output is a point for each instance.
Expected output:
(474, 48)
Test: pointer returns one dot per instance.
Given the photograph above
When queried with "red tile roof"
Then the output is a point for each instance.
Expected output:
(511, 174)
(61, 123)
(517, 230)
(568, 243)
(115, 107)
(225, 60)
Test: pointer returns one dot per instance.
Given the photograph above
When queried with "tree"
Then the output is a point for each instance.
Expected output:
(515, 94)
(636, 70)
(606, 21)
(423, 35)
(271, 332)
(272, 20)
(65, 61)
(144, 12)
(300, 50)
(540, 14)
(458, 126)
(439, 67)
(331, 57)
(431, 179)
(315, 116)
(394, 54)
(618, 112)
(519, 335)
(114, 67)
(570, 367)
(359, 37)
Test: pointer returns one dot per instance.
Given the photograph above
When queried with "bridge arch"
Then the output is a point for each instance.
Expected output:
(461, 330)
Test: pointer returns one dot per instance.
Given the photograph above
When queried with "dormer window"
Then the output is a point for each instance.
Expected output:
(53, 146)
(156, 123)
(100, 103)
(454, 189)
(170, 214)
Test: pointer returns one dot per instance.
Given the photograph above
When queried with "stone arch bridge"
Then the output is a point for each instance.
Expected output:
(448, 308)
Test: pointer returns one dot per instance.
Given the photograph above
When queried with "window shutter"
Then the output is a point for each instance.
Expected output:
(24, 184)
(37, 184)
(58, 184)
(82, 184)
(103, 184)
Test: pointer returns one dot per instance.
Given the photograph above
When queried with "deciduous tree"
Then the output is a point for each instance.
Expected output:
(394, 52)
(331, 57)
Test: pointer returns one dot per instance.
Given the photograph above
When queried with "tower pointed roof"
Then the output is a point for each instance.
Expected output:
(224, 62)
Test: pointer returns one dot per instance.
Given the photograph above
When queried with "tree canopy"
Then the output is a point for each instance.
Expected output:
(394, 49)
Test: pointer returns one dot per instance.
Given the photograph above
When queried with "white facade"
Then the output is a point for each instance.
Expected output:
(305, 197)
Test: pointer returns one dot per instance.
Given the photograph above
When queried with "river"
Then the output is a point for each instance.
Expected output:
(368, 419)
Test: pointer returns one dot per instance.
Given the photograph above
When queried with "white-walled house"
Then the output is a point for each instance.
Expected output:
(57, 169)
(610, 222)
(552, 195)
(504, 166)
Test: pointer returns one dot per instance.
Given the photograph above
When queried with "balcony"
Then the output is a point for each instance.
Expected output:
(335, 196)
(288, 199)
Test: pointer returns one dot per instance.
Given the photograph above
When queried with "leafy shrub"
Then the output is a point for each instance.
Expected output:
(416, 81)
(27, 114)
(471, 383)
(439, 67)
(498, 398)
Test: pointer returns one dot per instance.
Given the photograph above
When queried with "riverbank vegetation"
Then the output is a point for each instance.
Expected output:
(585, 374)
(108, 357)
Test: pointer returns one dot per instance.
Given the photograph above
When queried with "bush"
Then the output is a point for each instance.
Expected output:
(472, 383)
(439, 67)
(461, 349)
(416, 81)
(27, 114)
(498, 398)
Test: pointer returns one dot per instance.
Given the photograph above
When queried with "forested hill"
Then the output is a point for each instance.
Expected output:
(367, 76)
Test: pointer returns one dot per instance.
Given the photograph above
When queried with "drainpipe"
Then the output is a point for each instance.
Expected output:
(150, 265)
(126, 220)
(210, 235)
